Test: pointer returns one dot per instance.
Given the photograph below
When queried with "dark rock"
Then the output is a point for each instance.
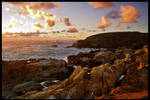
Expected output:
(83, 59)
(114, 40)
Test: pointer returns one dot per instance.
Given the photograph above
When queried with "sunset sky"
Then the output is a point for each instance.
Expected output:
(73, 19)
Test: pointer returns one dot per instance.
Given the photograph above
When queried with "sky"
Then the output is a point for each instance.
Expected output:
(72, 19)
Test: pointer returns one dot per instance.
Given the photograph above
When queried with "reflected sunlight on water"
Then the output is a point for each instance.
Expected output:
(25, 49)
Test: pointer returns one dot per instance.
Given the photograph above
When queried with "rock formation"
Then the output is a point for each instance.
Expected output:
(121, 79)
(114, 40)
(19, 77)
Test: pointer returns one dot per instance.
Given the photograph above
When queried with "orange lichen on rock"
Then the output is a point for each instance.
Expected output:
(114, 91)
(141, 66)
(134, 95)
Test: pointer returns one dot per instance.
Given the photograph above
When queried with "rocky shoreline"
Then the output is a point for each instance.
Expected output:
(120, 71)
(114, 73)
(21, 76)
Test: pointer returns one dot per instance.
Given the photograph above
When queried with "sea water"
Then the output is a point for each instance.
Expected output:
(34, 49)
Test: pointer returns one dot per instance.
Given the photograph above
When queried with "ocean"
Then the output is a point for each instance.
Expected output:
(24, 49)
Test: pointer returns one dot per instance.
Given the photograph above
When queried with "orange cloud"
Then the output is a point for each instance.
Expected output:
(22, 6)
(59, 20)
(47, 5)
(35, 8)
(118, 24)
(67, 22)
(58, 6)
(37, 15)
(72, 29)
(38, 25)
(105, 23)
(44, 5)
(50, 23)
(36, 5)
(101, 4)
(129, 14)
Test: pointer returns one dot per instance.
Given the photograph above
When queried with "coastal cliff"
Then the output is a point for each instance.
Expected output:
(114, 40)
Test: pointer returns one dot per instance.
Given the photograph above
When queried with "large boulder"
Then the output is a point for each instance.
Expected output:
(114, 40)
